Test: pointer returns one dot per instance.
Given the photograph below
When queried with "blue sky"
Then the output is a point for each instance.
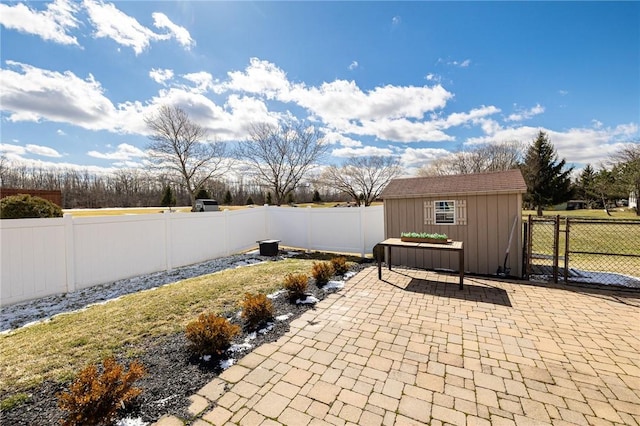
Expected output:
(414, 80)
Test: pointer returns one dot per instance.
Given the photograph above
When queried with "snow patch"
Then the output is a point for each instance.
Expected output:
(349, 274)
(310, 300)
(267, 329)
(224, 364)
(239, 347)
(206, 358)
(131, 422)
(39, 310)
(333, 285)
(284, 317)
(276, 294)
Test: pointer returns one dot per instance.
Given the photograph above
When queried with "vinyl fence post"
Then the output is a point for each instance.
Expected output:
(167, 241)
(362, 231)
(70, 256)
(225, 212)
(308, 219)
(267, 235)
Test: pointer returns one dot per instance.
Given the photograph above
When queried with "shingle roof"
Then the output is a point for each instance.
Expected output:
(510, 181)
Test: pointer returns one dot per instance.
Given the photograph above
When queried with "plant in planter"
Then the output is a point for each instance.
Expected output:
(424, 237)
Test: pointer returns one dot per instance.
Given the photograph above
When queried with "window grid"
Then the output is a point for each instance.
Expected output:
(445, 212)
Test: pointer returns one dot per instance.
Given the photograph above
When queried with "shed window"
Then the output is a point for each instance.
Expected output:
(449, 212)
(445, 212)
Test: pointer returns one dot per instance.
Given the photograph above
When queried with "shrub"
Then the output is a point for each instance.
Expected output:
(339, 265)
(322, 271)
(25, 206)
(256, 309)
(210, 334)
(296, 285)
(94, 397)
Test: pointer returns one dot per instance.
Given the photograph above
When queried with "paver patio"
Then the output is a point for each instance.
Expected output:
(413, 349)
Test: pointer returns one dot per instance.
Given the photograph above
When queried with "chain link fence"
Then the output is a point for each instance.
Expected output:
(583, 250)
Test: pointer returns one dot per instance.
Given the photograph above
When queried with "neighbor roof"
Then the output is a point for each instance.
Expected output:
(510, 181)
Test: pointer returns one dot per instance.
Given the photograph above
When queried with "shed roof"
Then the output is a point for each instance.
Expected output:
(510, 181)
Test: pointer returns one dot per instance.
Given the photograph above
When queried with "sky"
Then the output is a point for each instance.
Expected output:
(412, 80)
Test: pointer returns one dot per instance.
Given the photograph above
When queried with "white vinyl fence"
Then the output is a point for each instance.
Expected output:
(41, 257)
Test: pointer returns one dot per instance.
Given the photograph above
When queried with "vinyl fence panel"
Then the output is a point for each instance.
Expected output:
(41, 257)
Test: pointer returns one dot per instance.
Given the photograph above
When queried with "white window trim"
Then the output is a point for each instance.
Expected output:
(459, 212)
(436, 211)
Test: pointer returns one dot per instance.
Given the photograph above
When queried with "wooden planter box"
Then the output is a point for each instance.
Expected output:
(424, 240)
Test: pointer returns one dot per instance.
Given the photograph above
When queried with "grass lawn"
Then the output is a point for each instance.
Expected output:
(58, 349)
(587, 213)
(609, 238)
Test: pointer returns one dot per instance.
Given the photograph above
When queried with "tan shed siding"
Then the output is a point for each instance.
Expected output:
(488, 223)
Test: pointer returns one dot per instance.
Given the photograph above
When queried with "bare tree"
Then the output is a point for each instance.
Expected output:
(280, 156)
(484, 158)
(180, 147)
(363, 178)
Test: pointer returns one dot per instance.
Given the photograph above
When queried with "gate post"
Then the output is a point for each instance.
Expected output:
(529, 245)
(556, 248)
(566, 250)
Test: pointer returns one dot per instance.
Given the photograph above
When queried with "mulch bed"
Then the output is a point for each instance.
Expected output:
(174, 374)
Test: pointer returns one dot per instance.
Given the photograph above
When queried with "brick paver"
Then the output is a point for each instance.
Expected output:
(414, 349)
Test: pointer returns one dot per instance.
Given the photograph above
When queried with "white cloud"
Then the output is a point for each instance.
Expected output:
(459, 118)
(260, 77)
(160, 20)
(460, 64)
(364, 151)
(433, 78)
(419, 157)
(579, 145)
(353, 65)
(32, 94)
(111, 22)
(60, 132)
(52, 24)
(396, 20)
(161, 76)
(43, 151)
(124, 152)
(203, 81)
(563, 92)
(332, 137)
(340, 101)
(525, 114)
(12, 151)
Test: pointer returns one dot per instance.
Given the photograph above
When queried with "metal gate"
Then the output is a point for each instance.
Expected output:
(582, 250)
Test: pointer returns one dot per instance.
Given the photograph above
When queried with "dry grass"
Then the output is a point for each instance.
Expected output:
(55, 350)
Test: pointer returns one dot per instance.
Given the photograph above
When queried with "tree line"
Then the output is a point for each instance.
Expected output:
(277, 164)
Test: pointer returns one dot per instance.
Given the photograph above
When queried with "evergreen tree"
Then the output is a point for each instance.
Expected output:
(316, 197)
(203, 194)
(585, 185)
(290, 199)
(168, 197)
(227, 198)
(547, 182)
(269, 201)
(250, 201)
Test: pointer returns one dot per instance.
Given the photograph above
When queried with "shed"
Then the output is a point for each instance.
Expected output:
(478, 209)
